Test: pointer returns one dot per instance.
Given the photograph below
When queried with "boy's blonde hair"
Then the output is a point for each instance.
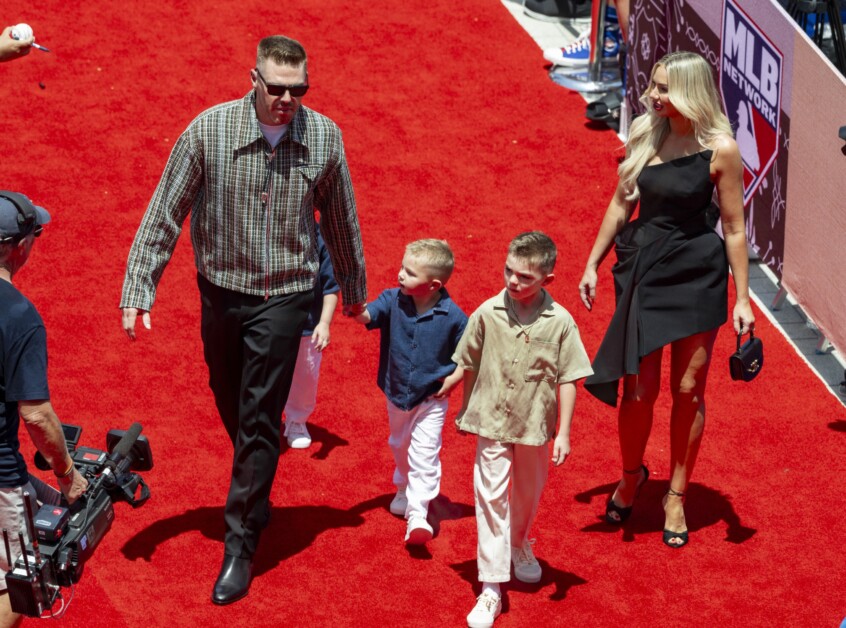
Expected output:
(535, 247)
(435, 255)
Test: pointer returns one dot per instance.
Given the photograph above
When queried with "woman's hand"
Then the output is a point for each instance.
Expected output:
(587, 287)
(743, 318)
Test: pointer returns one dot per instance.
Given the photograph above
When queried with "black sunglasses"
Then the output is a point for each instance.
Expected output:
(296, 91)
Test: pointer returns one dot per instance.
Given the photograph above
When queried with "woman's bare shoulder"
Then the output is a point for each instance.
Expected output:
(726, 156)
(724, 146)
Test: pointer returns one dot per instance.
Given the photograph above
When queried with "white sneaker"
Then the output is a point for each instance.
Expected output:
(297, 434)
(487, 609)
(418, 531)
(526, 566)
(577, 54)
(399, 503)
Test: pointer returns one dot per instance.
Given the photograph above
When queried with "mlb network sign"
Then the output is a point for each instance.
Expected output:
(750, 82)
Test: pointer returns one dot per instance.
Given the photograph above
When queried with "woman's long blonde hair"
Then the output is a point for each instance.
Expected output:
(691, 89)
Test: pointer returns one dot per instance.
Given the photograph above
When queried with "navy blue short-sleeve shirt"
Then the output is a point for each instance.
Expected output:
(415, 352)
(23, 375)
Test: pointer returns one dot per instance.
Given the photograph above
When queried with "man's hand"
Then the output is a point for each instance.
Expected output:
(353, 309)
(73, 486)
(11, 49)
(128, 316)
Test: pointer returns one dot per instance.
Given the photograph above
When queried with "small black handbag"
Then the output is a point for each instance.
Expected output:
(747, 361)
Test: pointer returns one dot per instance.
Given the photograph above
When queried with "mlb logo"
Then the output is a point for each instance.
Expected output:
(750, 82)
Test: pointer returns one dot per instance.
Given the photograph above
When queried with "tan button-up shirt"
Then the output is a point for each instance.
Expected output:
(519, 368)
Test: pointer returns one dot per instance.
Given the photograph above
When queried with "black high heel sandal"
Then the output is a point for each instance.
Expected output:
(624, 512)
(668, 536)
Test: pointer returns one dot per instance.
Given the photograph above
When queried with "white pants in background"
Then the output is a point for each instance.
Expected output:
(503, 521)
(303, 395)
(415, 440)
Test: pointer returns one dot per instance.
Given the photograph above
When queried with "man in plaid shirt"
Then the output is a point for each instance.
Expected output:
(251, 173)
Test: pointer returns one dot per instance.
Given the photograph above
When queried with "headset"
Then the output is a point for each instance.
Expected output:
(27, 218)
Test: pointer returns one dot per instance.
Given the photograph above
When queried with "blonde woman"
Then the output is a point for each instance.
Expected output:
(671, 274)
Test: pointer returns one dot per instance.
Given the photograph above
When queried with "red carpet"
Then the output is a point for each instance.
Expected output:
(452, 130)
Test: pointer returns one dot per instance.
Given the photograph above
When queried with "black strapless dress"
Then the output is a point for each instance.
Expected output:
(671, 273)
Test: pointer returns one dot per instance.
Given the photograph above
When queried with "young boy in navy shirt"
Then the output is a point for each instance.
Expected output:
(420, 328)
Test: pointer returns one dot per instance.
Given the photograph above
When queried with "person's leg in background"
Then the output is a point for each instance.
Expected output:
(577, 53)
(303, 396)
(558, 10)
(399, 424)
(12, 517)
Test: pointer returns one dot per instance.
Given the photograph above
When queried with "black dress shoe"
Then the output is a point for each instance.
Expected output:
(233, 583)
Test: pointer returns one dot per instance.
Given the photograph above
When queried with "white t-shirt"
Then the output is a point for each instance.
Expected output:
(273, 133)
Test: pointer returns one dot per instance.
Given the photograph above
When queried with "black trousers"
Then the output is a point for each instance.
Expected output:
(250, 346)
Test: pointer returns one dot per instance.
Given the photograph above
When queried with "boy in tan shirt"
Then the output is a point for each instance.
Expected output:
(521, 354)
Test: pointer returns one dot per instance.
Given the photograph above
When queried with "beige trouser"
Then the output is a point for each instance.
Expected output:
(504, 521)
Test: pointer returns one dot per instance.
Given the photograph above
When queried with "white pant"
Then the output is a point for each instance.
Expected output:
(303, 395)
(504, 522)
(416, 438)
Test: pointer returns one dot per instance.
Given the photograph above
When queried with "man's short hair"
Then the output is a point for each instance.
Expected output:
(435, 255)
(282, 51)
(537, 248)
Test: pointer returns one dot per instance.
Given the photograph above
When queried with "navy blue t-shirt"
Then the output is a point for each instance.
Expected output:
(23, 375)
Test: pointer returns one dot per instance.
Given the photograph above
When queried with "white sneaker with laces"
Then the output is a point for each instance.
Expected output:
(418, 531)
(399, 503)
(487, 609)
(297, 434)
(526, 566)
(577, 54)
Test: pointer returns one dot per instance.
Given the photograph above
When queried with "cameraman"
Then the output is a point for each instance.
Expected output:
(23, 387)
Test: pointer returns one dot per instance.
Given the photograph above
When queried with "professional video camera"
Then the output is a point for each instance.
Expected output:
(62, 539)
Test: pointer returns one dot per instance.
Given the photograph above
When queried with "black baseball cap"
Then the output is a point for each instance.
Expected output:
(19, 216)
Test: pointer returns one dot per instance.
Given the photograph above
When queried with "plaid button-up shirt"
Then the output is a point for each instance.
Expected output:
(252, 208)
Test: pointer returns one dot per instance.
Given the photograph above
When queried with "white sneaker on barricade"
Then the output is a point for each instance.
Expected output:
(577, 54)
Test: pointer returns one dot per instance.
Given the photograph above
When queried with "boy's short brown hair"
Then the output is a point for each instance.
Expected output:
(435, 255)
(537, 248)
